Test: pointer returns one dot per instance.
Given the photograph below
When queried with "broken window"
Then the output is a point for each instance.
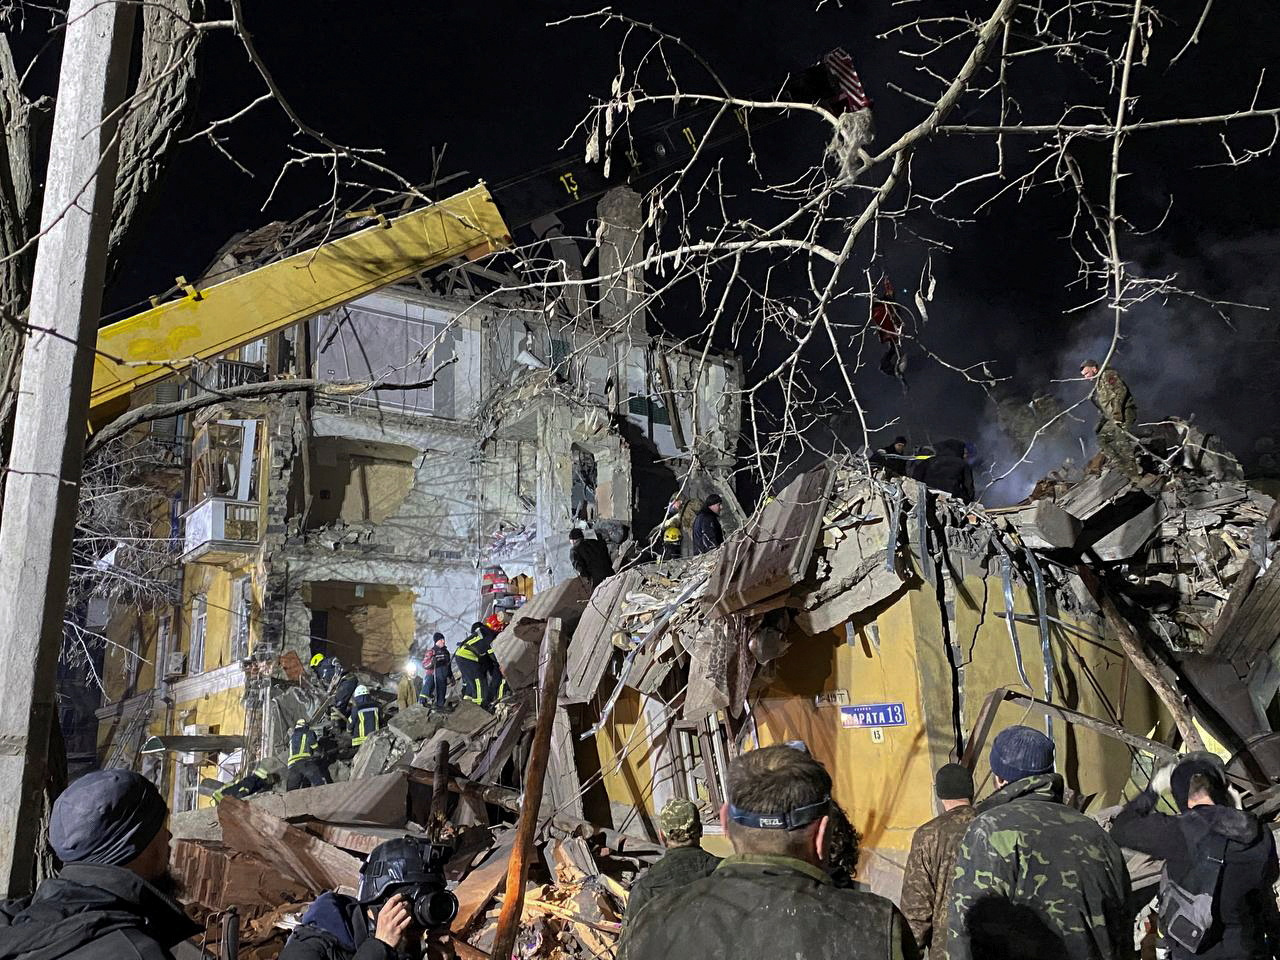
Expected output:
(186, 791)
(224, 461)
(199, 620)
(241, 605)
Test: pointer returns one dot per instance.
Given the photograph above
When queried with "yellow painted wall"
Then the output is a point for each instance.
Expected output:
(216, 584)
(222, 712)
(631, 784)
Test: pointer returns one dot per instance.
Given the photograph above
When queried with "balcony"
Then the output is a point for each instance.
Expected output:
(235, 373)
(220, 531)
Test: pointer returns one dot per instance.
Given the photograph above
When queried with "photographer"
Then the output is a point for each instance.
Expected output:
(402, 896)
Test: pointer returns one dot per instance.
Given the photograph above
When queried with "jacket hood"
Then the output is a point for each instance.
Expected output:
(1229, 822)
(336, 916)
(1043, 786)
(85, 902)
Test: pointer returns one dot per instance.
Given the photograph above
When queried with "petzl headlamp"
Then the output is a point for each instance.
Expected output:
(791, 820)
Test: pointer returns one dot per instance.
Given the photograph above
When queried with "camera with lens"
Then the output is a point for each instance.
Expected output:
(414, 869)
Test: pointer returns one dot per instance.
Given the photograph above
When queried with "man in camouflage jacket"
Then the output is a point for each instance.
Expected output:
(684, 862)
(1119, 416)
(926, 885)
(1034, 878)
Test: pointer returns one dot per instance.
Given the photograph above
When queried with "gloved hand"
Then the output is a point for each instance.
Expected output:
(1160, 782)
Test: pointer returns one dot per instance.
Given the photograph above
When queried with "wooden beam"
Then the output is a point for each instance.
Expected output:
(440, 790)
(534, 777)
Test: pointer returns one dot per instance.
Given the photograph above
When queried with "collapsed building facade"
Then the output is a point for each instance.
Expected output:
(359, 525)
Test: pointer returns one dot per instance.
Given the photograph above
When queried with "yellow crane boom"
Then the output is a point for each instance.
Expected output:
(207, 323)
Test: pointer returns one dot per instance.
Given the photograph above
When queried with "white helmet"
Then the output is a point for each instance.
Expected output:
(361, 691)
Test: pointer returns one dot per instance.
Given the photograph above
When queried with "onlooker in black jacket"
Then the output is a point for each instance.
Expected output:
(108, 902)
(590, 558)
(948, 470)
(707, 532)
(1244, 908)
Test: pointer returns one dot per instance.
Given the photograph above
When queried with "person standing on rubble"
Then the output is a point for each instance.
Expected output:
(305, 766)
(1210, 850)
(438, 667)
(707, 532)
(772, 897)
(1118, 418)
(684, 862)
(590, 558)
(378, 923)
(112, 897)
(470, 657)
(1034, 878)
(926, 885)
(366, 715)
(947, 470)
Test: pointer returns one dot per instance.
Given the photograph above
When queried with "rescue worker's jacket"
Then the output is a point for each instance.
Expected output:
(255, 782)
(303, 744)
(366, 719)
(476, 646)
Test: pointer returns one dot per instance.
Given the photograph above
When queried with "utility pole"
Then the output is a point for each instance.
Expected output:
(43, 490)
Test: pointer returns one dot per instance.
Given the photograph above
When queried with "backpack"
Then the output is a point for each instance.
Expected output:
(1186, 905)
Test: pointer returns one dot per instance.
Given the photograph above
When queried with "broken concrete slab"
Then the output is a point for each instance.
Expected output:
(425, 756)
(591, 646)
(1132, 535)
(372, 800)
(1095, 494)
(859, 578)
(1044, 525)
(467, 718)
(483, 883)
(377, 754)
(294, 852)
(516, 647)
(415, 723)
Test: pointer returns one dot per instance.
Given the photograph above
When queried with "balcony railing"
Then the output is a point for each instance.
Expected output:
(235, 373)
(220, 530)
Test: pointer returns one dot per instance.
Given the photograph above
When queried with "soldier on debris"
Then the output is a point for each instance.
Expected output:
(684, 862)
(1034, 877)
(590, 558)
(438, 665)
(707, 532)
(893, 459)
(305, 766)
(1210, 848)
(379, 923)
(1115, 427)
(111, 899)
(772, 897)
(926, 885)
(366, 715)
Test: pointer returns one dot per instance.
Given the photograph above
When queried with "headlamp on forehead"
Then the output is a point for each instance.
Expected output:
(791, 820)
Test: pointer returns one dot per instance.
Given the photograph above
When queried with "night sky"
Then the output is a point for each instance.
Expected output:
(500, 90)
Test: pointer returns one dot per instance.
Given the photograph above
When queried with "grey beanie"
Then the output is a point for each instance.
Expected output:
(108, 816)
(1020, 752)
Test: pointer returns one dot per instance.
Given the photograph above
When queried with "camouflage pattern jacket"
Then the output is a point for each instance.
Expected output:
(679, 866)
(926, 887)
(757, 906)
(1035, 878)
(1113, 398)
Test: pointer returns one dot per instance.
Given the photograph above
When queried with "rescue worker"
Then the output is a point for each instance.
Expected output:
(112, 897)
(259, 780)
(343, 690)
(948, 470)
(1034, 877)
(470, 657)
(671, 546)
(376, 924)
(688, 509)
(305, 766)
(1118, 417)
(893, 459)
(1209, 830)
(772, 897)
(326, 668)
(438, 675)
(366, 715)
(680, 830)
(590, 558)
(707, 532)
(926, 885)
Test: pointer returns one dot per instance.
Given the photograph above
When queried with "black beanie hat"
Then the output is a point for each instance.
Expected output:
(108, 816)
(953, 782)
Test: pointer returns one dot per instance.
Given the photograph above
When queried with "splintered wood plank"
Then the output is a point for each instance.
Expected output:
(591, 644)
(772, 552)
(482, 884)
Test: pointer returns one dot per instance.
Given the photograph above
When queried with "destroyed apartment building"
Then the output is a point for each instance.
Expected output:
(359, 525)
(888, 627)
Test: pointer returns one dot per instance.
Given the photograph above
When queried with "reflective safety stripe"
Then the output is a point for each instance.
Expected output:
(479, 694)
(366, 724)
(301, 747)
